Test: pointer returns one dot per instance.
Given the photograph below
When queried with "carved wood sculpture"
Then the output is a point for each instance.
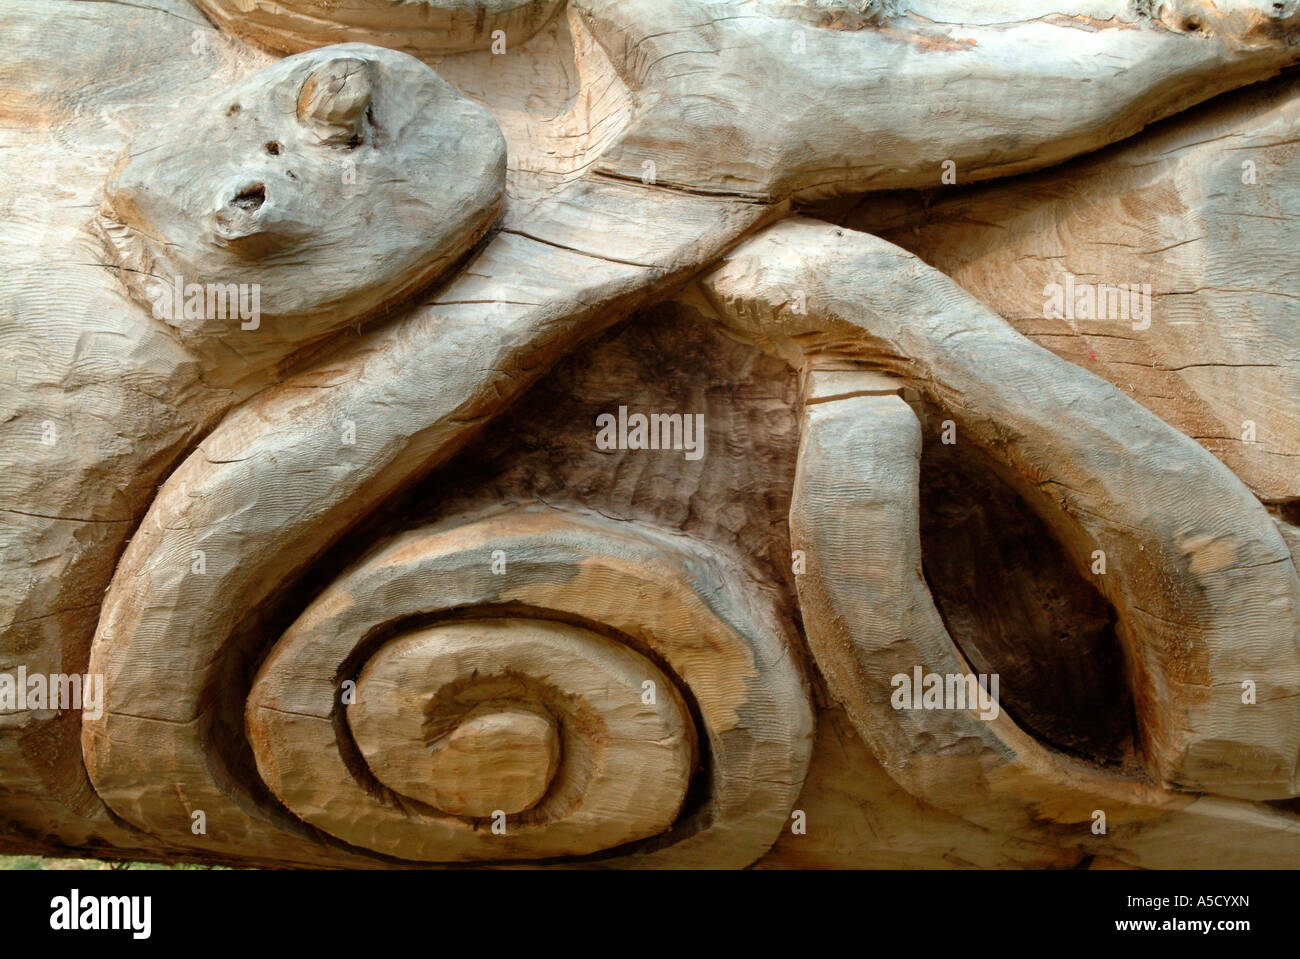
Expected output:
(332, 334)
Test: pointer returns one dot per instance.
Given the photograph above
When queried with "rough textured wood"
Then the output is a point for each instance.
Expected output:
(249, 519)
(623, 775)
(419, 27)
(1200, 208)
(723, 643)
(1205, 587)
(120, 398)
(830, 98)
(869, 617)
(345, 179)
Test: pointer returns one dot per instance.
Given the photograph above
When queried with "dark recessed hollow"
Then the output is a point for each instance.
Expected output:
(252, 198)
(1016, 606)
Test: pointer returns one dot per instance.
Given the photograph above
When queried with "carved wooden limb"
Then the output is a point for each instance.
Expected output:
(1205, 586)
(466, 354)
(832, 98)
(869, 617)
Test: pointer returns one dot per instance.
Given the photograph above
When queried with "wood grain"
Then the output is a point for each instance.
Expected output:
(1206, 591)
(475, 228)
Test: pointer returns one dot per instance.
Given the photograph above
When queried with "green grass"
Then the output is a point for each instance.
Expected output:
(46, 862)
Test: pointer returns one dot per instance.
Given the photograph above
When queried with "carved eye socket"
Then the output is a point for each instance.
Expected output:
(273, 148)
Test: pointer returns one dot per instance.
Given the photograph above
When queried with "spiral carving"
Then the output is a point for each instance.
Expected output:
(499, 738)
(536, 685)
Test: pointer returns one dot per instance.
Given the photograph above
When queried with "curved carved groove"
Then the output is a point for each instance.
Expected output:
(452, 716)
(1204, 585)
(511, 691)
(870, 617)
(262, 502)
(538, 725)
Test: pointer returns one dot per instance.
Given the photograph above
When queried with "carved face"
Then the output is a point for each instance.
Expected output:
(331, 182)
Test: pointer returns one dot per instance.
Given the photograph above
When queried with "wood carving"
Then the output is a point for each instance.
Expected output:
(614, 433)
